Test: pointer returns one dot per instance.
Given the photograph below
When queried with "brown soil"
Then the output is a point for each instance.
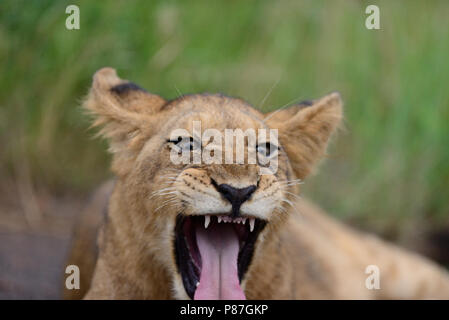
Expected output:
(34, 241)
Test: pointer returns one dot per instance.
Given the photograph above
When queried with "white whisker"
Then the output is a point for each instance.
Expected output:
(292, 205)
(293, 194)
(268, 93)
(281, 108)
(169, 203)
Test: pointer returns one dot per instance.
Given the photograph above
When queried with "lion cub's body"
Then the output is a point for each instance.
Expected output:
(299, 253)
(315, 257)
(320, 258)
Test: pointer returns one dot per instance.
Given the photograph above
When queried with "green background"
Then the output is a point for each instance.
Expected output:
(387, 170)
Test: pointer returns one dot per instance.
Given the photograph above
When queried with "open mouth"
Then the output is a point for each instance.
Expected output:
(213, 254)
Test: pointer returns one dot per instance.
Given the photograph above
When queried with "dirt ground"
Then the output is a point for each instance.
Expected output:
(34, 241)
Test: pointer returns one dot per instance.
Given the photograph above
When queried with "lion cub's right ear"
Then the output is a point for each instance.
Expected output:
(125, 112)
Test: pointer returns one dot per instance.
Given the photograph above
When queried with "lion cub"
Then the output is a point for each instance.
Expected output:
(186, 220)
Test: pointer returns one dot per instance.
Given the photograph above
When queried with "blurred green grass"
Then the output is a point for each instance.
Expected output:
(388, 169)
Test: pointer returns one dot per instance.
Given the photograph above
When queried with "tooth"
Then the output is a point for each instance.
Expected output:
(219, 219)
(206, 221)
(244, 220)
(251, 224)
(197, 284)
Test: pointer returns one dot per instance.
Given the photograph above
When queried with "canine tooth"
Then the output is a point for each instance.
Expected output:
(206, 221)
(251, 224)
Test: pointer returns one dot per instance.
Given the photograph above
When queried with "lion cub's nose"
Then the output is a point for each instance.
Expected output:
(235, 196)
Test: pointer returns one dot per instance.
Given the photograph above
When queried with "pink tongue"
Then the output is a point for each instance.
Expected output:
(219, 248)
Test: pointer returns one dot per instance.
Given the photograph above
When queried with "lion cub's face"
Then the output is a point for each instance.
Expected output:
(201, 203)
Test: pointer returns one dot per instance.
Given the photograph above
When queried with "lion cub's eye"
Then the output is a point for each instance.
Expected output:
(185, 144)
(267, 149)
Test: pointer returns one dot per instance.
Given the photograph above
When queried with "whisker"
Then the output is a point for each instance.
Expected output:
(170, 202)
(282, 209)
(168, 193)
(288, 181)
(179, 92)
(287, 201)
(163, 192)
(293, 194)
(268, 94)
(158, 193)
(281, 108)
(169, 176)
(292, 205)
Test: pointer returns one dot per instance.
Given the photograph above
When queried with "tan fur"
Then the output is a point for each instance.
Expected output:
(301, 254)
(84, 250)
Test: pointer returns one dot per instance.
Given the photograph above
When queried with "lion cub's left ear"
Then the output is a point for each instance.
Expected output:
(125, 112)
(305, 129)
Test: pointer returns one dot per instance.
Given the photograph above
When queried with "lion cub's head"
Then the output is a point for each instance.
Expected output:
(200, 204)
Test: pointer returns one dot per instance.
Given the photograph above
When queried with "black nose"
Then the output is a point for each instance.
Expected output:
(235, 196)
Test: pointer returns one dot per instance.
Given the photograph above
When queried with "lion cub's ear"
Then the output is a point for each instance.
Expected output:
(305, 129)
(125, 112)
